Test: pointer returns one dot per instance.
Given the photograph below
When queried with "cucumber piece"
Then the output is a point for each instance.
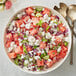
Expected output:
(46, 57)
(65, 43)
(24, 41)
(38, 14)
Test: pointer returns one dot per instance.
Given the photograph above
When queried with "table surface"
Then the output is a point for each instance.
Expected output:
(6, 68)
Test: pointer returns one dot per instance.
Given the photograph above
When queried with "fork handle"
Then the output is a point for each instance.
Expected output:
(71, 52)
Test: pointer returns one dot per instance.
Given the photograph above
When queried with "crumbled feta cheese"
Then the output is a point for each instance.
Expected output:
(23, 25)
(43, 33)
(33, 14)
(30, 59)
(53, 38)
(40, 29)
(10, 49)
(26, 61)
(37, 42)
(31, 52)
(15, 46)
(36, 57)
(27, 33)
(14, 29)
(46, 18)
(42, 51)
(18, 30)
(49, 60)
(28, 26)
(31, 39)
(23, 13)
(34, 53)
(22, 56)
(19, 40)
(19, 15)
(20, 44)
(48, 35)
(12, 44)
(59, 49)
(31, 43)
(25, 38)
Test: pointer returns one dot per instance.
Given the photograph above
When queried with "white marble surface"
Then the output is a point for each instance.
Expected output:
(6, 68)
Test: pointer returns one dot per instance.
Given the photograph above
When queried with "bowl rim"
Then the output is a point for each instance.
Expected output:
(61, 62)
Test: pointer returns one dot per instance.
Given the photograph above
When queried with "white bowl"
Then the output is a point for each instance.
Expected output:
(57, 64)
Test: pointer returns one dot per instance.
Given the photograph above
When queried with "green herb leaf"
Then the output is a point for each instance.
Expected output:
(45, 40)
(35, 47)
(58, 28)
(16, 61)
(40, 22)
(25, 36)
(42, 55)
(39, 9)
(16, 18)
(47, 28)
(24, 49)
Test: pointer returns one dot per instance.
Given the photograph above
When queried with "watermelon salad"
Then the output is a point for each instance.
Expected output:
(36, 39)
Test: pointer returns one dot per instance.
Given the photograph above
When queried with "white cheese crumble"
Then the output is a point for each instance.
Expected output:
(26, 61)
(31, 39)
(37, 42)
(28, 25)
(30, 59)
(19, 15)
(10, 49)
(40, 29)
(46, 18)
(48, 35)
(42, 51)
(49, 60)
(12, 46)
(31, 43)
(18, 30)
(43, 33)
(12, 43)
(32, 14)
(59, 49)
(27, 33)
(36, 57)
(19, 40)
(20, 44)
(23, 25)
(22, 56)
(14, 28)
